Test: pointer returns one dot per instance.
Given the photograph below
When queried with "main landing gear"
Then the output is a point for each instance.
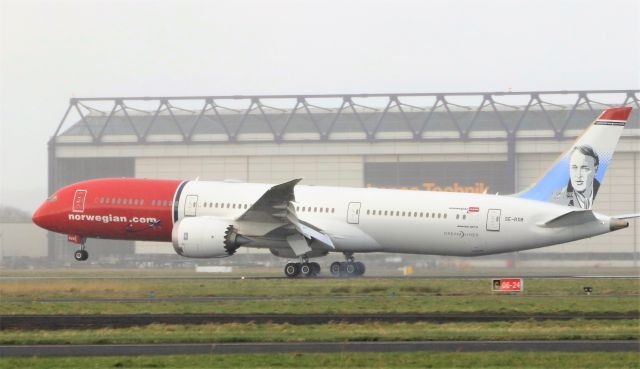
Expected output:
(82, 254)
(303, 269)
(349, 268)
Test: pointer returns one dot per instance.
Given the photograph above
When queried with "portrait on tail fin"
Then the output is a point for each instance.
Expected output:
(576, 175)
(582, 187)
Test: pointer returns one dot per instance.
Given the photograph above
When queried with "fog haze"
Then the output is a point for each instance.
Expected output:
(51, 51)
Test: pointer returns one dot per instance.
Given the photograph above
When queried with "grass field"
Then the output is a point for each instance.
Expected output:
(485, 360)
(46, 288)
(333, 332)
(368, 295)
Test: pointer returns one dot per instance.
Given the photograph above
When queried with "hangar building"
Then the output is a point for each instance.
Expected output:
(493, 142)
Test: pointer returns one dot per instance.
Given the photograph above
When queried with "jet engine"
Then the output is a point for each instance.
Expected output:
(205, 237)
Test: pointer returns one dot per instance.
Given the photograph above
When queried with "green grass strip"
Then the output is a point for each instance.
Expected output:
(484, 360)
(329, 305)
(206, 333)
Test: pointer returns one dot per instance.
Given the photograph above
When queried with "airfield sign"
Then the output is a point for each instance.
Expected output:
(507, 285)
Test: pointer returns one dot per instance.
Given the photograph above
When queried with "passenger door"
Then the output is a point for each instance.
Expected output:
(353, 213)
(493, 220)
(191, 205)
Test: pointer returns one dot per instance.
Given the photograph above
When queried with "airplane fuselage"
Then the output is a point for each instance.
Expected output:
(357, 219)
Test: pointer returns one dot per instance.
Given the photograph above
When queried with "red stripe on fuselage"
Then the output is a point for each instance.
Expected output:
(114, 208)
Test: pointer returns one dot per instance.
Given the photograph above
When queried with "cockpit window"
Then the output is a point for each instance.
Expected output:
(53, 198)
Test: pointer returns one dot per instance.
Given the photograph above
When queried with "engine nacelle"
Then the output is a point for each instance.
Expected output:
(204, 237)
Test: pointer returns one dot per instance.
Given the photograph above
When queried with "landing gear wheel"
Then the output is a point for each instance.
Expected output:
(81, 255)
(315, 268)
(292, 270)
(306, 269)
(350, 269)
(360, 268)
(335, 268)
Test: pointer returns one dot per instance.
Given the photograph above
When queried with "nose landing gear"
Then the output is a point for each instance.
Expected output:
(349, 268)
(82, 254)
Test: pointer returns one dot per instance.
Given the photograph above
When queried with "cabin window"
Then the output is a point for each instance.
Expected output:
(433, 215)
(421, 214)
(315, 209)
(457, 216)
(165, 203)
(444, 215)
(438, 215)
(333, 210)
(464, 216)
(141, 201)
(107, 200)
(136, 201)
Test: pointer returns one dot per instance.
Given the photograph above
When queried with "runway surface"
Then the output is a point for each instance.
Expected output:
(228, 348)
(128, 320)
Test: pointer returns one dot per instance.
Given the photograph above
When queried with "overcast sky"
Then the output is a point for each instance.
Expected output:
(53, 50)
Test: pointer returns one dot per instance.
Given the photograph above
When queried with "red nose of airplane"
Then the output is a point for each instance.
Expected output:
(39, 217)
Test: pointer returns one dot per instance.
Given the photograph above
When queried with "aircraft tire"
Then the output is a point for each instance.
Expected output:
(79, 255)
(360, 268)
(306, 270)
(336, 268)
(350, 269)
(292, 270)
(315, 267)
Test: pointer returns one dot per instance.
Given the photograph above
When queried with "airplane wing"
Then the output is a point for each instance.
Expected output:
(277, 206)
(272, 206)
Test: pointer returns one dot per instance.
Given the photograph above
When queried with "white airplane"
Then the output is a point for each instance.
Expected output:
(213, 219)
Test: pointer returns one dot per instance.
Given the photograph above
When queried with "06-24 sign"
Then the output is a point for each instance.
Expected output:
(507, 285)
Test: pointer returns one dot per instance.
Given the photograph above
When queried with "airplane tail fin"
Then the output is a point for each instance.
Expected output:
(575, 177)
